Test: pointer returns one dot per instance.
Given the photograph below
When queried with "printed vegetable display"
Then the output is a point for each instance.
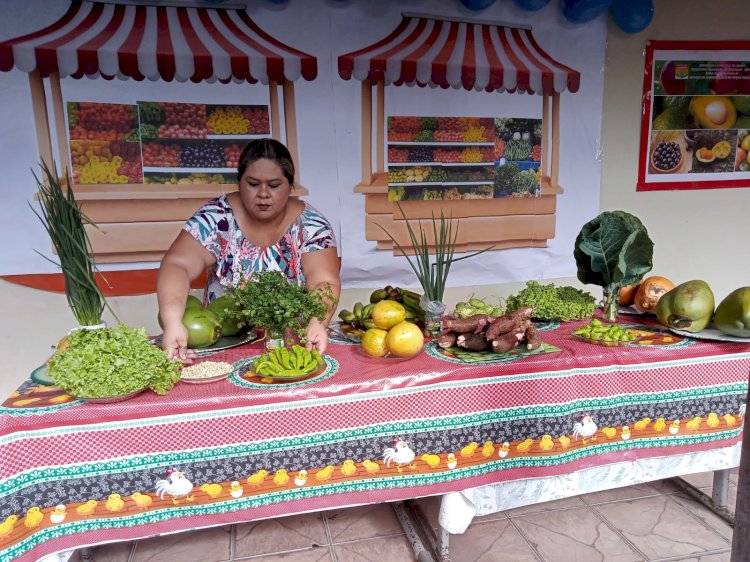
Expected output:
(105, 162)
(112, 362)
(102, 121)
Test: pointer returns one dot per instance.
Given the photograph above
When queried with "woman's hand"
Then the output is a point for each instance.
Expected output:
(317, 336)
(174, 341)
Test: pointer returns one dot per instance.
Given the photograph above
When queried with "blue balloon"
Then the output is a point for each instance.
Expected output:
(477, 4)
(632, 16)
(580, 11)
(532, 5)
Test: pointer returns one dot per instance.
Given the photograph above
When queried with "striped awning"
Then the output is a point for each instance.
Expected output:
(156, 42)
(426, 51)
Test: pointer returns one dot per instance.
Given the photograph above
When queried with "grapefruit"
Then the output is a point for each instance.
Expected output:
(404, 339)
(388, 313)
(373, 342)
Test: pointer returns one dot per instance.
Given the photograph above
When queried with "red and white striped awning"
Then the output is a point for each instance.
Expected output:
(427, 51)
(156, 42)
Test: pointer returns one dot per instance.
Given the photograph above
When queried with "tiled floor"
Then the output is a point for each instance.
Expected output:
(648, 522)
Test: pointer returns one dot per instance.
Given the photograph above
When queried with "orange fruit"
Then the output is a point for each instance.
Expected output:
(388, 313)
(404, 339)
(373, 342)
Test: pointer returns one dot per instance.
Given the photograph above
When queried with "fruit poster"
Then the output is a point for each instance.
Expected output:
(696, 117)
(449, 158)
(161, 142)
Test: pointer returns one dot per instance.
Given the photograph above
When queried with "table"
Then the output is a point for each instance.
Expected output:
(74, 473)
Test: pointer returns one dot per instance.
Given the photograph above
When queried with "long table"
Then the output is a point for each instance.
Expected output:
(360, 431)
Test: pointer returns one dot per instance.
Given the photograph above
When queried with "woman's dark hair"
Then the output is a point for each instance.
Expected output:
(268, 149)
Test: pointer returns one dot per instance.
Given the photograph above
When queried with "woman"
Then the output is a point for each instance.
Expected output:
(257, 228)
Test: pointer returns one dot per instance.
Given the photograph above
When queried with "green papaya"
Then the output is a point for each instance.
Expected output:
(688, 307)
(733, 313)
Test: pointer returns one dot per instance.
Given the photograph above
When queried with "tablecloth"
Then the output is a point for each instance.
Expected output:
(363, 430)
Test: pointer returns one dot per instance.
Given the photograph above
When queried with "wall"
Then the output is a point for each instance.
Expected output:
(698, 234)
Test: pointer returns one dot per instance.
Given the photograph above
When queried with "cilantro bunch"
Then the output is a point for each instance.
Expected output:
(112, 362)
(553, 303)
(267, 300)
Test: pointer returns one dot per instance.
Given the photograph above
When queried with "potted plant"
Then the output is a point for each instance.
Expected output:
(267, 300)
(432, 275)
(64, 221)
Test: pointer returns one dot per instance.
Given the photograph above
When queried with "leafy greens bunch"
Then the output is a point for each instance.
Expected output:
(267, 300)
(553, 303)
(112, 362)
(613, 250)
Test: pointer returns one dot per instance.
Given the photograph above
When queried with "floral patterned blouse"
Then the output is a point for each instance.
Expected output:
(214, 226)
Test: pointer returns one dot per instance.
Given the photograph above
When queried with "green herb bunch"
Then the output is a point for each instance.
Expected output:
(64, 222)
(553, 303)
(267, 300)
(112, 362)
(432, 275)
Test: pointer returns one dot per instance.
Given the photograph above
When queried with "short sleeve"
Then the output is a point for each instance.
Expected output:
(207, 225)
(318, 233)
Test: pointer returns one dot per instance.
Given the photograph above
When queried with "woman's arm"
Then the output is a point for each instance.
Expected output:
(185, 260)
(321, 267)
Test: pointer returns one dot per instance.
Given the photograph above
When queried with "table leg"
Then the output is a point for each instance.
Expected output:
(721, 487)
(412, 534)
(443, 546)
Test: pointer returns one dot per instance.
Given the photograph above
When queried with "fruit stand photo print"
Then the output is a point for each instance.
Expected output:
(697, 122)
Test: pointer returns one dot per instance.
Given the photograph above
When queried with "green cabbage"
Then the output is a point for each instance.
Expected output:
(613, 250)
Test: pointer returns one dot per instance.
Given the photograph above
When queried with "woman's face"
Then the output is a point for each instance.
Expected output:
(264, 190)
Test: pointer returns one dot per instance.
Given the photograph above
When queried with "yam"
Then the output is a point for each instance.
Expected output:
(504, 342)
(475, 323)
(447, 340)
(472, 342)
(533, 338)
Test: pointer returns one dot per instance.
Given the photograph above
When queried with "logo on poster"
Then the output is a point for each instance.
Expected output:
(682, 71)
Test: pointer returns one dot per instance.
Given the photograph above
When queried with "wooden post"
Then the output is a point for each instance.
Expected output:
(741, 538)
(290, 125)
(273, 102)
(380, 128)
(544, 164)
(61, 129)
(555, 158)
(366, 132)
(41, 119)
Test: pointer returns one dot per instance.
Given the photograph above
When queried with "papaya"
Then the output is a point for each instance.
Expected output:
(732, 316)
(689, 306)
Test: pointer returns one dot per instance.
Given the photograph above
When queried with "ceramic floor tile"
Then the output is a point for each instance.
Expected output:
(431, 508)
(718, 557)
(565, 503)
(206, 545)
(115, 552)
(365, 522)
(659, 527)
(319, 554)
(704, 514)
(391, 549)
(574, 535)
(626, 493)
(489, 542)
(699, 479)
(279, 534)
(665, 486)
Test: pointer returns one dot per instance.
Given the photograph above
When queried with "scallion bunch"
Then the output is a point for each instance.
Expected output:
(64, 222)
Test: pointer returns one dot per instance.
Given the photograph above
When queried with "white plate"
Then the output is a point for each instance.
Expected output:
(710, 334)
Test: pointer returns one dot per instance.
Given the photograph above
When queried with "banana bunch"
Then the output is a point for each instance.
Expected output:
(360, 317)
(283, 362)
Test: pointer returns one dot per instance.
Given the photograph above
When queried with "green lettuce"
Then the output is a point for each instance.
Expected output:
(613, 250)
(112, 362)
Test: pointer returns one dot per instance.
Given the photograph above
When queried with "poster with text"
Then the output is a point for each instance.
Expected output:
(696, 117)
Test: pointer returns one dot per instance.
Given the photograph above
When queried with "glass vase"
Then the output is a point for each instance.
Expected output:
(433, 316)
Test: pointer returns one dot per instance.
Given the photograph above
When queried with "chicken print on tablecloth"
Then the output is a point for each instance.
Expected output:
(114, 503)
(141, 500)
(504, 449)
(451, 461)
(87, 509)
(586, 428)
(625, 433)
(176, 485)
(235, 489)
(6, 527)
(58, 514)
(301, 478)
(400, 453)
(212, 490)
(674, 427)
(33, 517)
(257, 478)
(371, 466)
